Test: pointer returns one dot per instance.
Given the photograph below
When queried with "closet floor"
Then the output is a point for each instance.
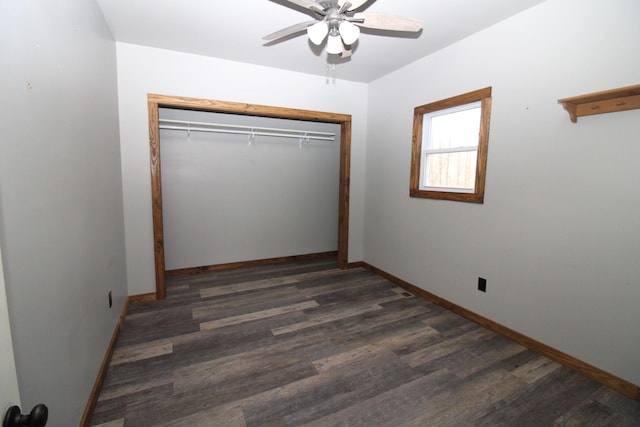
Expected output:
(306, 343)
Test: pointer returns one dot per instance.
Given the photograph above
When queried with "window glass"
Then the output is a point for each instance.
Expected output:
(450, 146)
(446, 171)
(454, 128)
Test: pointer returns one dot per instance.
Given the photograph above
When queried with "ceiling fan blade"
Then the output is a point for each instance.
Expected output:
(288, 31)
(307, 4)
(346, 53)
(383, 21)
(354, 3)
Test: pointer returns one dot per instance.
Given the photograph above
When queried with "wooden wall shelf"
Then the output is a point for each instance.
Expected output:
(608, 101)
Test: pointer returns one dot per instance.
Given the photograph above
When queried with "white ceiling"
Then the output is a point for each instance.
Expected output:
(233, 29)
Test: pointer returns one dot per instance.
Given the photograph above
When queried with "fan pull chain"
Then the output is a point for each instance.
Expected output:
(331, 73)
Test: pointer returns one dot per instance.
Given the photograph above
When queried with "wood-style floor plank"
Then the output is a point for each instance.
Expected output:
(305, 343)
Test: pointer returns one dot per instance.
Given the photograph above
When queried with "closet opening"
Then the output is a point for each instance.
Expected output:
(177, 107)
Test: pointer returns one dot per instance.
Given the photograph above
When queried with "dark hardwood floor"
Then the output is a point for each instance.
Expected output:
(305, 343)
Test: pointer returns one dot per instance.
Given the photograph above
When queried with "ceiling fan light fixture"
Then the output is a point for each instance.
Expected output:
(317, 32)
(349, 32)
(334, 44)
(340, 21)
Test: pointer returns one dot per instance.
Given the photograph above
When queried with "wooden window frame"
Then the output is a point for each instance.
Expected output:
(477, 196)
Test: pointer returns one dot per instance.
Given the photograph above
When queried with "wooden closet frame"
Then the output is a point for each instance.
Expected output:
(155, 102)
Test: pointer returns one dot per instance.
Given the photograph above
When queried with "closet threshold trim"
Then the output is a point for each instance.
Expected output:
(188, 126)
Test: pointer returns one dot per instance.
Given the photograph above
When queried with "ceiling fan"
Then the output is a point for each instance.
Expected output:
(338, 20)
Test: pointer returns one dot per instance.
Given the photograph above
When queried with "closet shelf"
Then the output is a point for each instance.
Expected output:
(608, 101)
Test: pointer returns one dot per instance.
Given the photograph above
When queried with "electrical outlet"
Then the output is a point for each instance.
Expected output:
(482, 284)
(110, 300)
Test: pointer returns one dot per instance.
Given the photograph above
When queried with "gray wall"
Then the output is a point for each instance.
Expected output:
(61, 220)
(227, 201)
(558, 237)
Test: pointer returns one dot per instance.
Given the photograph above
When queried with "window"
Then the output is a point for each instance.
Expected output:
(449, 151)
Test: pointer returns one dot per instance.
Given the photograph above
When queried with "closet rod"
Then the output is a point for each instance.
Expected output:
(243, 130)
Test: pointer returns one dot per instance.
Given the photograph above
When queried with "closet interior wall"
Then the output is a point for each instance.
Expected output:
(235, 197)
